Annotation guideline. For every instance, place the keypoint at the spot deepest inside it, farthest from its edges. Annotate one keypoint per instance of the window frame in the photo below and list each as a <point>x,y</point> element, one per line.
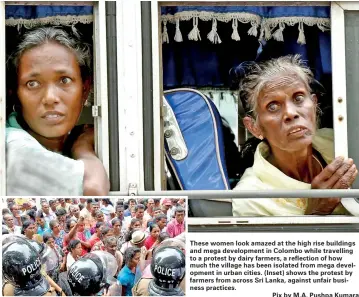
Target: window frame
<point>99,83</point>
<point>130,96</point>
<point>339,109</point>
<point>2,101</point>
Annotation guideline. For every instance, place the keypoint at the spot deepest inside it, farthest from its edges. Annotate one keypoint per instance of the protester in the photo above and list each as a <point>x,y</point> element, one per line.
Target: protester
<point>28,229</point>
<point>77,231</point>
<point>137,240</point>
<point>127,274</point>
<point>57,233</point>
<point>43,226</point>
<point>149,211</point>
<point>71,242</point>
<point>53,205</point>
<point>14,208</point>
<point>131,203</point>
<point>9,224</point>
<point>61,217</point>
<point>57,263</point>
<point>96,236</point>
<point>75,250</point>
<point>99,245</point>
<point>75,212</point>
<point>107,209</point>
<point>110,243</point>
<point>49,215</point>
<point>177,226</point>
<point>152,239</point>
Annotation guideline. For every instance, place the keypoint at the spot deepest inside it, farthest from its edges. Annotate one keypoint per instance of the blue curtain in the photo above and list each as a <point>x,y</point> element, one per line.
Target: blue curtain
<point>35,12</point>
<point>204,64</point>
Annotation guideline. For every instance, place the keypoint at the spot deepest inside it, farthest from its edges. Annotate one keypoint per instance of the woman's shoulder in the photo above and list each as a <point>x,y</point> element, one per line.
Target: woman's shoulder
<point>249,181</point>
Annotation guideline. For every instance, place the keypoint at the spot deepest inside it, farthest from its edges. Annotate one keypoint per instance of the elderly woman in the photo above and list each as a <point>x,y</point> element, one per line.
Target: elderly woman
<point>289,152</point>
<point>45,154</point>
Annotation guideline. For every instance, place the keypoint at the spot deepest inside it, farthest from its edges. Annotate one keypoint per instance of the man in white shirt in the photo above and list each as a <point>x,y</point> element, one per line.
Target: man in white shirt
<point>10,226</point>
<point>75,212</point>
<point>48,214</point>
<point>149,211</point>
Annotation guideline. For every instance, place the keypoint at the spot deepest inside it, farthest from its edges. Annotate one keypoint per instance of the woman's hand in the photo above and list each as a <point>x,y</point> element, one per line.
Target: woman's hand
<point>340,174</point>
<point>143,252</point>
<point>96,182</point>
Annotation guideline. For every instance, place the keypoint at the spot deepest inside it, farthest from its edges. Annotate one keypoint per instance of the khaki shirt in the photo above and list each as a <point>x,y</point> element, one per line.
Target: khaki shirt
<point>141,287</point>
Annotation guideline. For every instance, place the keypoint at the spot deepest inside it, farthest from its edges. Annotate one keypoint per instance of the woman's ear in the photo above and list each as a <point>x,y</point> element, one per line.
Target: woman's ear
<point>315,99</point>
<point>252,126</point>
<point>86,89</point>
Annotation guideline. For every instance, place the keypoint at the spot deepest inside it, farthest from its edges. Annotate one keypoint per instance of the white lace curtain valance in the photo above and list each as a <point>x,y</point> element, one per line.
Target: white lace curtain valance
<point>266,22</point>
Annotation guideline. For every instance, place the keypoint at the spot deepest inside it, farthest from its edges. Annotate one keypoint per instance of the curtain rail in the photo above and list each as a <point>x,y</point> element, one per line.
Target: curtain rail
<point>223,194</point>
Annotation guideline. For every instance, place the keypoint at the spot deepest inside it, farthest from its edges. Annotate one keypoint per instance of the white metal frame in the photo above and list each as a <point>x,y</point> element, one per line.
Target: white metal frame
<point>2,101</point>
<point>338,50</point>
<point>158,158</point>
<point>339,105</point>
<point>299,220</point>
<point>129,67</point>
<point>100,81</point>
<point>339,80</point>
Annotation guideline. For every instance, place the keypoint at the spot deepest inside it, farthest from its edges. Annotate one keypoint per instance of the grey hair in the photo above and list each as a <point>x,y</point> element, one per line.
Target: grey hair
<point>260,75</point>
<point>43,35</point>
<point>109,240</point>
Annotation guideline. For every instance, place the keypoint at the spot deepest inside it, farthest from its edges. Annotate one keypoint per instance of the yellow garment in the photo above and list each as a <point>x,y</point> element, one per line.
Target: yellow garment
<point>264,176</point>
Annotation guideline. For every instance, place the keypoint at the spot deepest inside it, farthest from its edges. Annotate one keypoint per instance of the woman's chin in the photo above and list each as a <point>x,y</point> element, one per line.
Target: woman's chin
<point>300,143</point>
<point>53,133</point>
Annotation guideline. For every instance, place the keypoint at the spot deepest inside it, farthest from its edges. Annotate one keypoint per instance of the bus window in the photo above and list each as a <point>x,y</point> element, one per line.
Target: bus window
<point>77,27</point>
<point>202,47</point>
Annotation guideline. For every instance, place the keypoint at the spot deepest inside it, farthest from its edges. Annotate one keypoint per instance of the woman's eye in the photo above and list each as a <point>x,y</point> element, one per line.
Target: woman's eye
<point>299,98</point>
<point>65,80</point>
<point>274,106</point>
<point>32,84</point>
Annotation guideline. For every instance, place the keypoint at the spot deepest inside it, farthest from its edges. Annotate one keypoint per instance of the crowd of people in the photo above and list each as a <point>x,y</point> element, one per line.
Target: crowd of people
<point>73,230</point>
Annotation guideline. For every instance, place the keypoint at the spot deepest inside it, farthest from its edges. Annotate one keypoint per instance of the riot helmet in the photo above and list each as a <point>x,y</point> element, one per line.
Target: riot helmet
<point>168,270</point>
<point>86,276</point>
<point>21,267</point>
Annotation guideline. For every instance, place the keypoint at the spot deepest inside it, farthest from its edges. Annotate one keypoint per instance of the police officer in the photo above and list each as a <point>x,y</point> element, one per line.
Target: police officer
<point>89,275</point>
<point>22,269</point>
<point>168,270</point>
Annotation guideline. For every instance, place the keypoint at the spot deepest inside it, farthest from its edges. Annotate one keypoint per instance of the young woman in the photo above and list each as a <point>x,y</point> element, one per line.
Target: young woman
<point>75,250</point>
<point>55,262</point>
<point>107,209</point>
<point>128,273</point>
<point>52,83</point>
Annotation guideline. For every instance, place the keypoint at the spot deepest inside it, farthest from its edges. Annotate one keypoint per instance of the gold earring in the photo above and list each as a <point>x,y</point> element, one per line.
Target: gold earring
<point>260,137</point>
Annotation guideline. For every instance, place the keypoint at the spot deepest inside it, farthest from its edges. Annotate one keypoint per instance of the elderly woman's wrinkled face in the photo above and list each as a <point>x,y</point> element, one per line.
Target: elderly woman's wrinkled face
<point>50,89</point>
<point>287,113</point>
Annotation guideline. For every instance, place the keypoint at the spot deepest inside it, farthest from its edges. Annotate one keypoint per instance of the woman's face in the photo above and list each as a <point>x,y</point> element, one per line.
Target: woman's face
<point>56,228</point>
<point>50,89</point>
<point>286,114</point>
<point>77,251</point>
<point>136,225</point>
<point>135,260</point>
<point>117,228</point>
<point>81,227</point>
<point>30,231</point>
<point>100,217</point>
<point>51,243</point>
<point>155,232</point>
